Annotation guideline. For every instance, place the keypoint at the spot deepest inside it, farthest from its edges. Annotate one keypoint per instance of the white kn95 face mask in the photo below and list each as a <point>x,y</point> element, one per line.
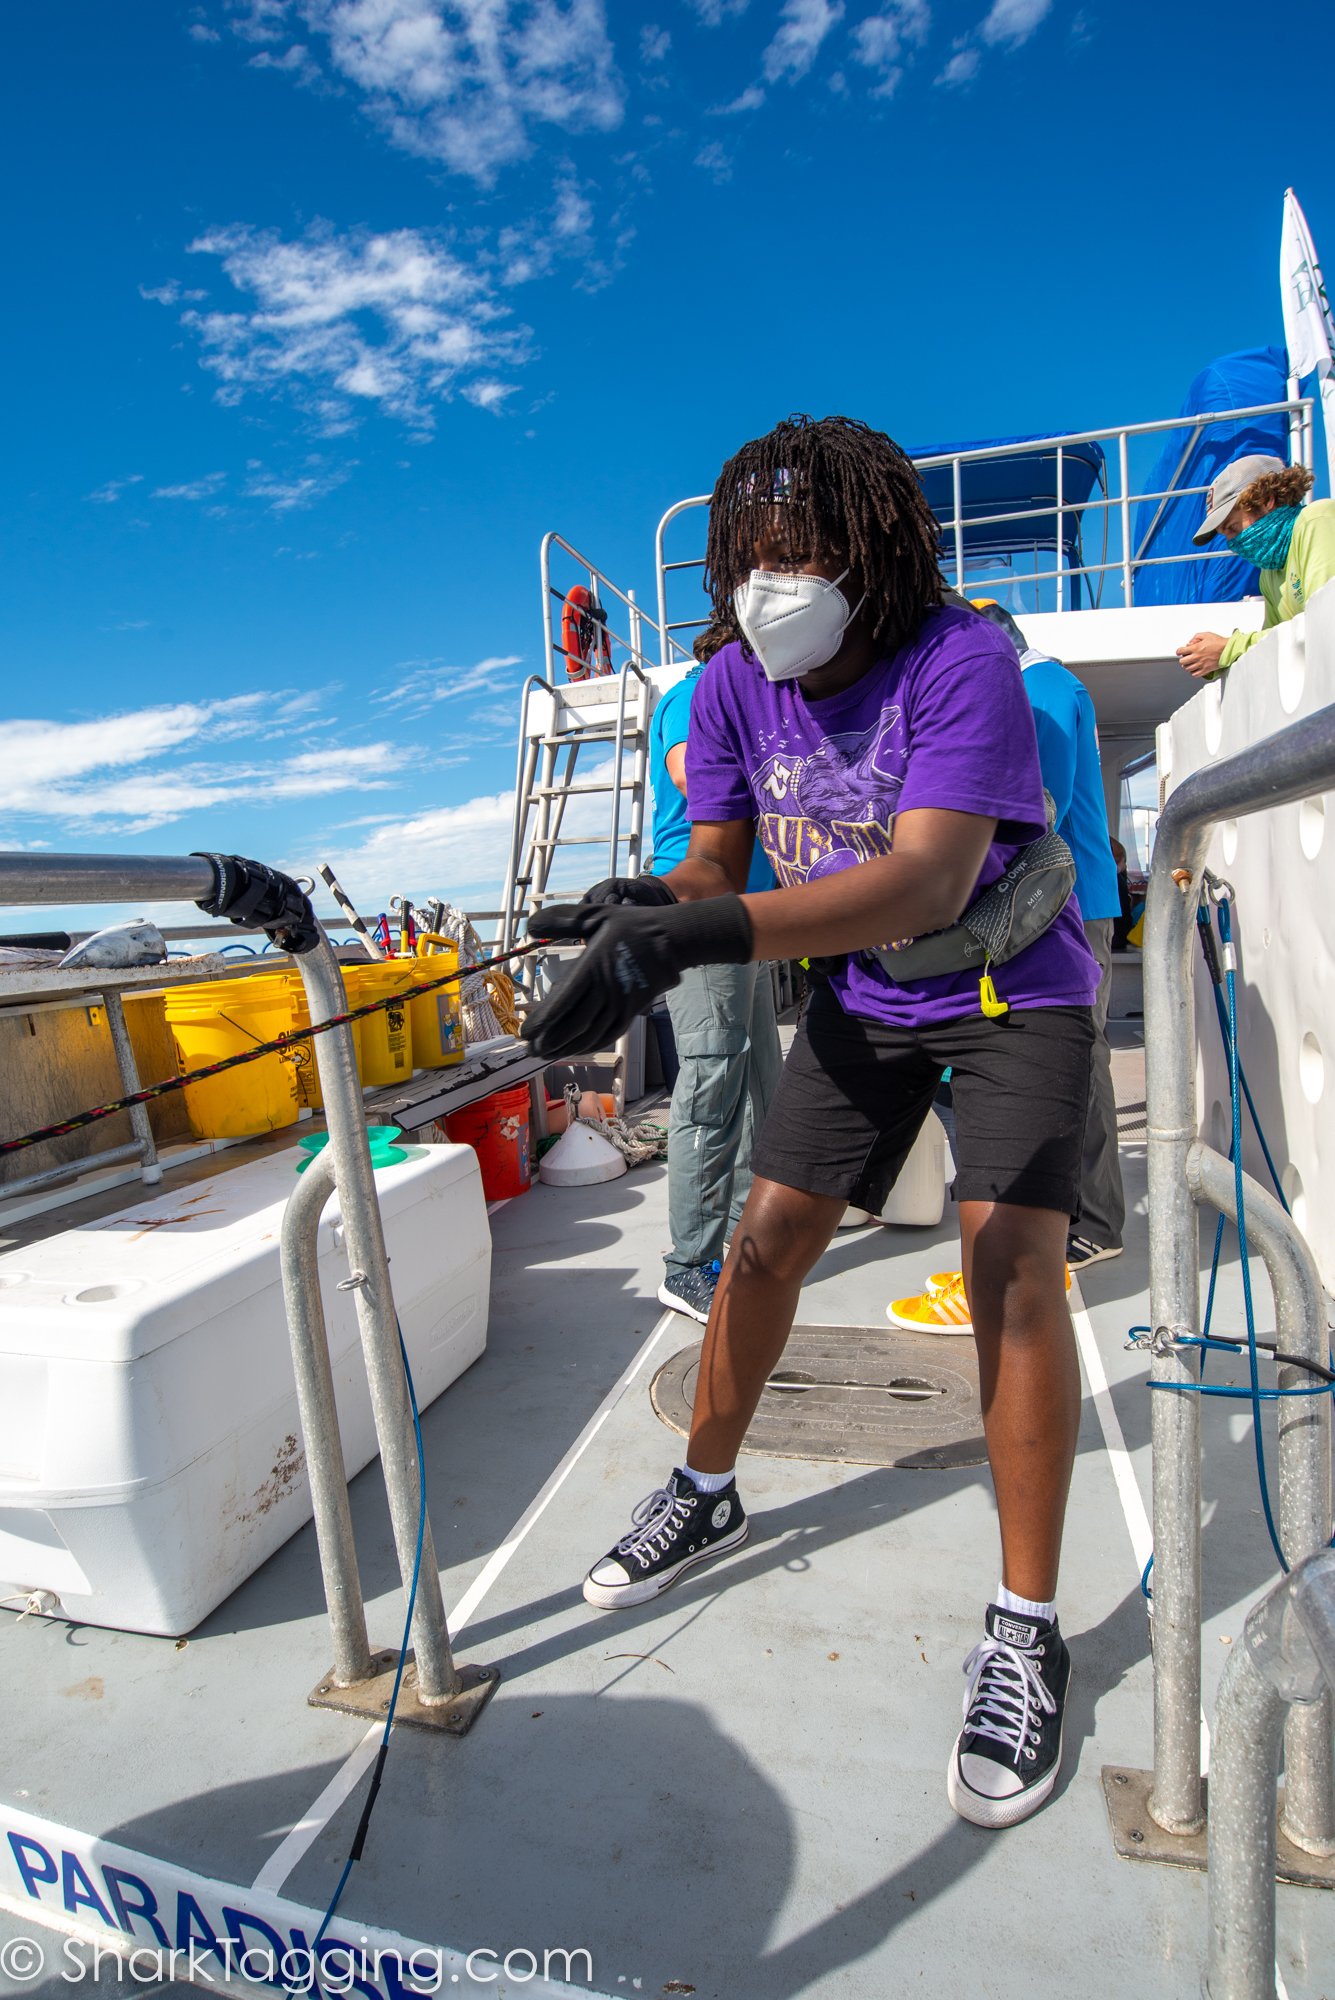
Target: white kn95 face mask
<point>793,624</point>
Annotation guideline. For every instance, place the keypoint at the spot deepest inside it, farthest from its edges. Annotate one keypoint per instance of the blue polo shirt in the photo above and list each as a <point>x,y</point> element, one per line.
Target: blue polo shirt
<point>1068,755</point>
<point>672,824</point>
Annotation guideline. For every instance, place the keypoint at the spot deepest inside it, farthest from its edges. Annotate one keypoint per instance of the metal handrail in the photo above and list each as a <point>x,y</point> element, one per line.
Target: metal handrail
<point>524,758</point>
<point>618,752</point>
<point>1298,409</point>
<point>73,878</point>
<point>1290,765</point>
<point>1304,1459</point>
<point>1281,1666</point>
<point>597,579</point>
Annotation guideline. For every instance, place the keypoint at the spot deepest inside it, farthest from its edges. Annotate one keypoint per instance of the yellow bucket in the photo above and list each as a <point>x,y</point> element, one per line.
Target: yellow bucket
<point>437,1018</point>
<point>304,1053</point>
<point>224,1018</point>
<point>386,1039</point>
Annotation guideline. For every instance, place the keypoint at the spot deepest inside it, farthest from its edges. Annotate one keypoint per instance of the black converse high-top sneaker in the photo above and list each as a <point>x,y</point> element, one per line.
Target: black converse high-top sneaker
<point>1006,1757</point>
<point>671,1531</point>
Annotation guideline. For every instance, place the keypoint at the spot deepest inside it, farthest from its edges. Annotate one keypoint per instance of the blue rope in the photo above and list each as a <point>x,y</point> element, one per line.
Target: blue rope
<point>1239,1092</point>
<point>1211,960</point>
<point>1253,1366</point>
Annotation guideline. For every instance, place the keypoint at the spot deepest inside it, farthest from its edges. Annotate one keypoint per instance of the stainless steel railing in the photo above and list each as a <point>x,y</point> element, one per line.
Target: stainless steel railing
<point>1282,1667</point>
<point>345,1169</point>
<point>630,641</point>
<point>1122,556</point>
<point>1290,765</point>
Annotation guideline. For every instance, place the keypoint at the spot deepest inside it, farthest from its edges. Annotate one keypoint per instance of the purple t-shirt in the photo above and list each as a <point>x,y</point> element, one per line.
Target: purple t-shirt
<point>944,723</point>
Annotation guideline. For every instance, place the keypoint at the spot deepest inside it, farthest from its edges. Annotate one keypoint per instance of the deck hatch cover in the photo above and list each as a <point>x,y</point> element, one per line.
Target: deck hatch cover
<point>853,1395</point>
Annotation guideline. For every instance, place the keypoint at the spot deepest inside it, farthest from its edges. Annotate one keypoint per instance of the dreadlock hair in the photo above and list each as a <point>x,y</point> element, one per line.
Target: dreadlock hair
<point>845,489</point>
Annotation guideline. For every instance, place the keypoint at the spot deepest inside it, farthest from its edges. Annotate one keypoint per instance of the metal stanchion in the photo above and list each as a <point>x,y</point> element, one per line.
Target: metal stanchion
<point>1286,1656</point>
<point>434,1691</point>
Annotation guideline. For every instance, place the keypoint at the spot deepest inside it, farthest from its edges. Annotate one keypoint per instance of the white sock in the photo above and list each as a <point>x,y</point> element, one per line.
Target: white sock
<point>1024,1607</point>
<point>708,1482</point>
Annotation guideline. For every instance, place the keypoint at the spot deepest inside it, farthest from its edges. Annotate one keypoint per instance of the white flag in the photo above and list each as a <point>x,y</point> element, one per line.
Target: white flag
<point>1307,319</point>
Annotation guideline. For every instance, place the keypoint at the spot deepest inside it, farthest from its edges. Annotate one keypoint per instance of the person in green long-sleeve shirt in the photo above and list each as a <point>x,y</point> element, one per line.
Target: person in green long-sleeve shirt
<point>1256,505</point>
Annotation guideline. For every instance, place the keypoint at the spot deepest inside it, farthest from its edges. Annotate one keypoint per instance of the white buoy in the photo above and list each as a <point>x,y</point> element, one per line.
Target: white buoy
<point>580,1158</point>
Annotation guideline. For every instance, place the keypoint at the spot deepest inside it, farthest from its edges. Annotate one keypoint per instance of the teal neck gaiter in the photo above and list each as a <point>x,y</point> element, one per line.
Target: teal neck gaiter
<point>1266,542</point>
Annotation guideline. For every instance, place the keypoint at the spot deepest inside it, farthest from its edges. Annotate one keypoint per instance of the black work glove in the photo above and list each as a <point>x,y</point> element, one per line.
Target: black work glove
<point>647,891</point>
<point>630,957</point>
<point>248,892</point>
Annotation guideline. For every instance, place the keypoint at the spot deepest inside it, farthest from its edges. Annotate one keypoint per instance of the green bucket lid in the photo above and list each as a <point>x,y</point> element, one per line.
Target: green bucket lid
<point>386,1146</point>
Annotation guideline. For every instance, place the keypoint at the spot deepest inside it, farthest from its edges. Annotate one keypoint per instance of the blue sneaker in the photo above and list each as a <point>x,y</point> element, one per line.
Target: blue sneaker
<point>691,1292</point>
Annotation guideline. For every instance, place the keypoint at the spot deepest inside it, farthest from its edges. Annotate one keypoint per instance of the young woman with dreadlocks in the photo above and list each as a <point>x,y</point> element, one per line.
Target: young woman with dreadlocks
<point>880,743</point>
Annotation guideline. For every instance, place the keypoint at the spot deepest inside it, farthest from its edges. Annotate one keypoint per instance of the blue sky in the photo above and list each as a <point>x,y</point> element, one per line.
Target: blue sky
<point>323,311</point>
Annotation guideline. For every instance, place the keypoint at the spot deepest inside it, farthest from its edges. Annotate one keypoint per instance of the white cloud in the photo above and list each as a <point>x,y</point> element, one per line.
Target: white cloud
<point>300,490</point>
<point>749,99</point>
<point>462,81</point>
<point>488,395</point>
<point>565,232</point>
<point>457,851</point>
<point>654,43</point>
<point>573,214</point>
<point>1011,22</point>
<point>112,769</point>
<point>963,67</point>
<point>805,24</point>
<point>107,495</point>
<point>882,39</point>
<point>259,20</point>
<point>296,62</point>
<point>716,161</point>
<point>169,294</point>
<point>713,12</point>
<point>427,682</point>
<point>340,322</point>
<point>192,489</point>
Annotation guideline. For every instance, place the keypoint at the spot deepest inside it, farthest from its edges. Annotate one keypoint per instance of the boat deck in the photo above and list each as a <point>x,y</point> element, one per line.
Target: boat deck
<point>737,1791</point>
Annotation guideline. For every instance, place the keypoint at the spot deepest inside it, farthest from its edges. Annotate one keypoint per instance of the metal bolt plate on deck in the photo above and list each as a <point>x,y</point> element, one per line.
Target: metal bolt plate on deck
<point>859,1395</point>
<point>371,1698</point>
<point>1137,1837</point>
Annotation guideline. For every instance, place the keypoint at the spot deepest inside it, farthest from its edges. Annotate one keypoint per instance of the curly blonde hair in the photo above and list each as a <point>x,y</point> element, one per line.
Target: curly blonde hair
<point>1279,489</point>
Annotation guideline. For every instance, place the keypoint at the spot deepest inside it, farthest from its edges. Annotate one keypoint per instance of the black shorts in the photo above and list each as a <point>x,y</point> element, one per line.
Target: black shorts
<point>854,1094</point>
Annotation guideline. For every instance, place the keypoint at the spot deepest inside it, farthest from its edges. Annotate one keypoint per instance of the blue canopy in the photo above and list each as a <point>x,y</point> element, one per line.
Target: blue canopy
<point>1020,482</point>
<point>1233,382</point>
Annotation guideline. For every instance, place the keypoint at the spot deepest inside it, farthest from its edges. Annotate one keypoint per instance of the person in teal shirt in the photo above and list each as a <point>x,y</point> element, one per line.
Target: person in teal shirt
<point>726,1034</point>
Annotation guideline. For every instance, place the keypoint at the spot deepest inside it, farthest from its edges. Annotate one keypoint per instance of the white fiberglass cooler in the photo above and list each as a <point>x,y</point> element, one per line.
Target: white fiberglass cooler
<point>150,1450</point>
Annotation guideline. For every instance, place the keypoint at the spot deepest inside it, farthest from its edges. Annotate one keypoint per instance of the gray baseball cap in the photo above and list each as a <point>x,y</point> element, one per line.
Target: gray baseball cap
<point>1228,489</point>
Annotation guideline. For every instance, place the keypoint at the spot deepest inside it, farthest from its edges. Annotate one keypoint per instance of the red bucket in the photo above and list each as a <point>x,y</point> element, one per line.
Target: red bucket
<point>497,1130</point>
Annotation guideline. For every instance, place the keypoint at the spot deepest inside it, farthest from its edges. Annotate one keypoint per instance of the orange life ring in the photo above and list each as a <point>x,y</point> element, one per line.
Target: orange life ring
<point>585,640</point>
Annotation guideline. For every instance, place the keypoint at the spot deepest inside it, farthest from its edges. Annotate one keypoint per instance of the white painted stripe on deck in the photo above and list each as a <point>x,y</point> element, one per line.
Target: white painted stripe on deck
<point>354,1767</point>
<point>1119,1458</point>
<point>1123,1472</point>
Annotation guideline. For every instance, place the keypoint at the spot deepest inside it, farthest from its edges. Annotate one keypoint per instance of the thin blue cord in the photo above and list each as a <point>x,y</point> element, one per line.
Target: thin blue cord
<point>360,1835</point>
<point>1253,1366</point>
<point>1238,1090</point>
<point>1203,920</point>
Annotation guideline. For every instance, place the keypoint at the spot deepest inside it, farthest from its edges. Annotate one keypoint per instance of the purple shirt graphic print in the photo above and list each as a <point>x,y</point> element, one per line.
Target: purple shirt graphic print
<point>827,811</point>
<point>945,723</point>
